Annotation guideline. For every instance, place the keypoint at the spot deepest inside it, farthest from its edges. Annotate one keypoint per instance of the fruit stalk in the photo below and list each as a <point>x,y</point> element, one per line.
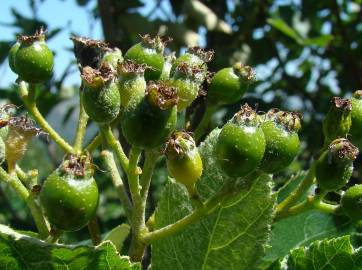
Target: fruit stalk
<point>29,101</point>
<point>204,123</point>
<point>81,128</point>
<point>117,182</point>
<point>28,197</point>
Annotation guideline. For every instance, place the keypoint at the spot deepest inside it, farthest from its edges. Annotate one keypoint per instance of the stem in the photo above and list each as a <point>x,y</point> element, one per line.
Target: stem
<point>82,126</point>
<point>97,140</point>
<point>208,207</point>
<point>117,182</point>
<point>94,232</point>
<point>116,146</point>
<point>137,247</point>
<point>298,192</point>
<point>204,123</point>
<point>35,210</point>
<point>29,101</point>
<point>148,167</point>
<point>311,202</point>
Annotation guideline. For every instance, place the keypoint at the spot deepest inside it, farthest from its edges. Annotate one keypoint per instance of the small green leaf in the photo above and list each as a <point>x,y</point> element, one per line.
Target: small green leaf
<point>232,237</point>
<point>118,234</point>
<point>19,251</point>
<point>283,27</point>
<point>320,41</point>
<point>336,253</point>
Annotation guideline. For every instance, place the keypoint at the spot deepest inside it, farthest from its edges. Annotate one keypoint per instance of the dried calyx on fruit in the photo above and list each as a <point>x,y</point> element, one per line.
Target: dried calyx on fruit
<point>228,85</point>
<point>31,58</point>
<point>148,122</point>
<point>183,160</point>
<point>338,120</point>
<point>101,97</point>
<point>20,131</point>
<point>241,144</point>
<point>335,165</point>
<point>69,195</point>
<point>150,52</point>
<point>131,81</point>
<point>89,52</point>
<point>282,141</point>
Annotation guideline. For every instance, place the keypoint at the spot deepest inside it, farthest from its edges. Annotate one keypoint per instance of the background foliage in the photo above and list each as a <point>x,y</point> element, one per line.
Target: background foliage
<point>304,53</point>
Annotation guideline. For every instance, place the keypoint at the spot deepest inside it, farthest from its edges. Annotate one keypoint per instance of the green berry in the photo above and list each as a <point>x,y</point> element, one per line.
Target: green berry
<point>33,59</point>
<point>281,138</point>
<point>334,167</point>
<point>356,128</point>
<point>241,144</point>
<point>101,98</point>
<point>69,196</point>
<point>183,159</point>
<point>338,120</point>
<point>113,57</point>
<point>131,82</point>
<point>351,202</point>
<point>228,85</point>
<point>147,122</point>
<point>150,53</point>
<point>12,53</point>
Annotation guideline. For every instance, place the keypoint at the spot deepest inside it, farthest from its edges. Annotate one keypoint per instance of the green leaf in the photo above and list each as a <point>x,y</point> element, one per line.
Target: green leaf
<point>336,253</point>
<point>283,27</point>
<point>232,237</point>
<point>19,252</point>
<point>118,234</point>
<point>320,41</point>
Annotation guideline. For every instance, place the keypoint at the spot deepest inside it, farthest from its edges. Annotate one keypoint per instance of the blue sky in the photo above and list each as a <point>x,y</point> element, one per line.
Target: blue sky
<point>57,13</point>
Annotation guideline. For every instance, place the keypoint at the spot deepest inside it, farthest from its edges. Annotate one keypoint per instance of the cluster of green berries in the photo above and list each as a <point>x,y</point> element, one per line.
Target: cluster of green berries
<point>144,90</point>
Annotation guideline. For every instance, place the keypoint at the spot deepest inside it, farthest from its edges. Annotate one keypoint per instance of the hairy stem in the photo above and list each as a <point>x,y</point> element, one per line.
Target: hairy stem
<point>81,128</point>
<point>117,182</point>
<point>204,123</point>
<point>28,96</point>
<point>97,140</point>
<point>28,197</point>
<point>93,228</point>
<point>298,192</point>
<point>116,146</point>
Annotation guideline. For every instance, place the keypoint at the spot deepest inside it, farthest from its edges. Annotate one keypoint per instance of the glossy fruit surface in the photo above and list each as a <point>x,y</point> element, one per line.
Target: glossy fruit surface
<point>282,142</point>
<point>12,53</point>
<point>351,202</point>
<point>187,91</point>
<point>101,98</point>
<point>229,84</point>
<point>183,159</point>
<point>34,60</point>
<point>149,52</point>
<point>149,121</point>
<point>356,128</point>
<point>335,166</point>
<point>69,196</point>
<point>241,144</point>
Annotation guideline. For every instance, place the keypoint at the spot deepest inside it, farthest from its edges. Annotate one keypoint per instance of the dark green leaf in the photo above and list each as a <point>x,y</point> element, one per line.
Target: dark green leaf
<point>283,27</point>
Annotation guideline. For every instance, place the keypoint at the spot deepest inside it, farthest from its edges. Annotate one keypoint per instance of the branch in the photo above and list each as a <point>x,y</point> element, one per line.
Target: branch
<point>81,128</point>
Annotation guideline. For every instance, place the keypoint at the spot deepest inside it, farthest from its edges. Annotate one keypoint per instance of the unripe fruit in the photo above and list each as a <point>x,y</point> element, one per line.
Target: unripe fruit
<point>12,53</point>
<point>282,141</point>
<point>101,98</point>
<point>335,166</point>
<point>69,196</point>
<point>338,120</point>
<point>351,202</point>
<point>356,128</point>
<point>195,56</point>
<point>228,85</point>
<point>131,82</point>
<point>166,70</point>
<point>113,57</point>
<point>148,122</point>
<point>89,52</point>
<point>33,59</point>
<point>150,53</point>
<point>241,144</point>
<point>183,159</point>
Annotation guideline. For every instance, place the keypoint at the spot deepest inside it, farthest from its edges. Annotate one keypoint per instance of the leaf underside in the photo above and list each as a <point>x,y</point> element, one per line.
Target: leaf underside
<point>232,237</point>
